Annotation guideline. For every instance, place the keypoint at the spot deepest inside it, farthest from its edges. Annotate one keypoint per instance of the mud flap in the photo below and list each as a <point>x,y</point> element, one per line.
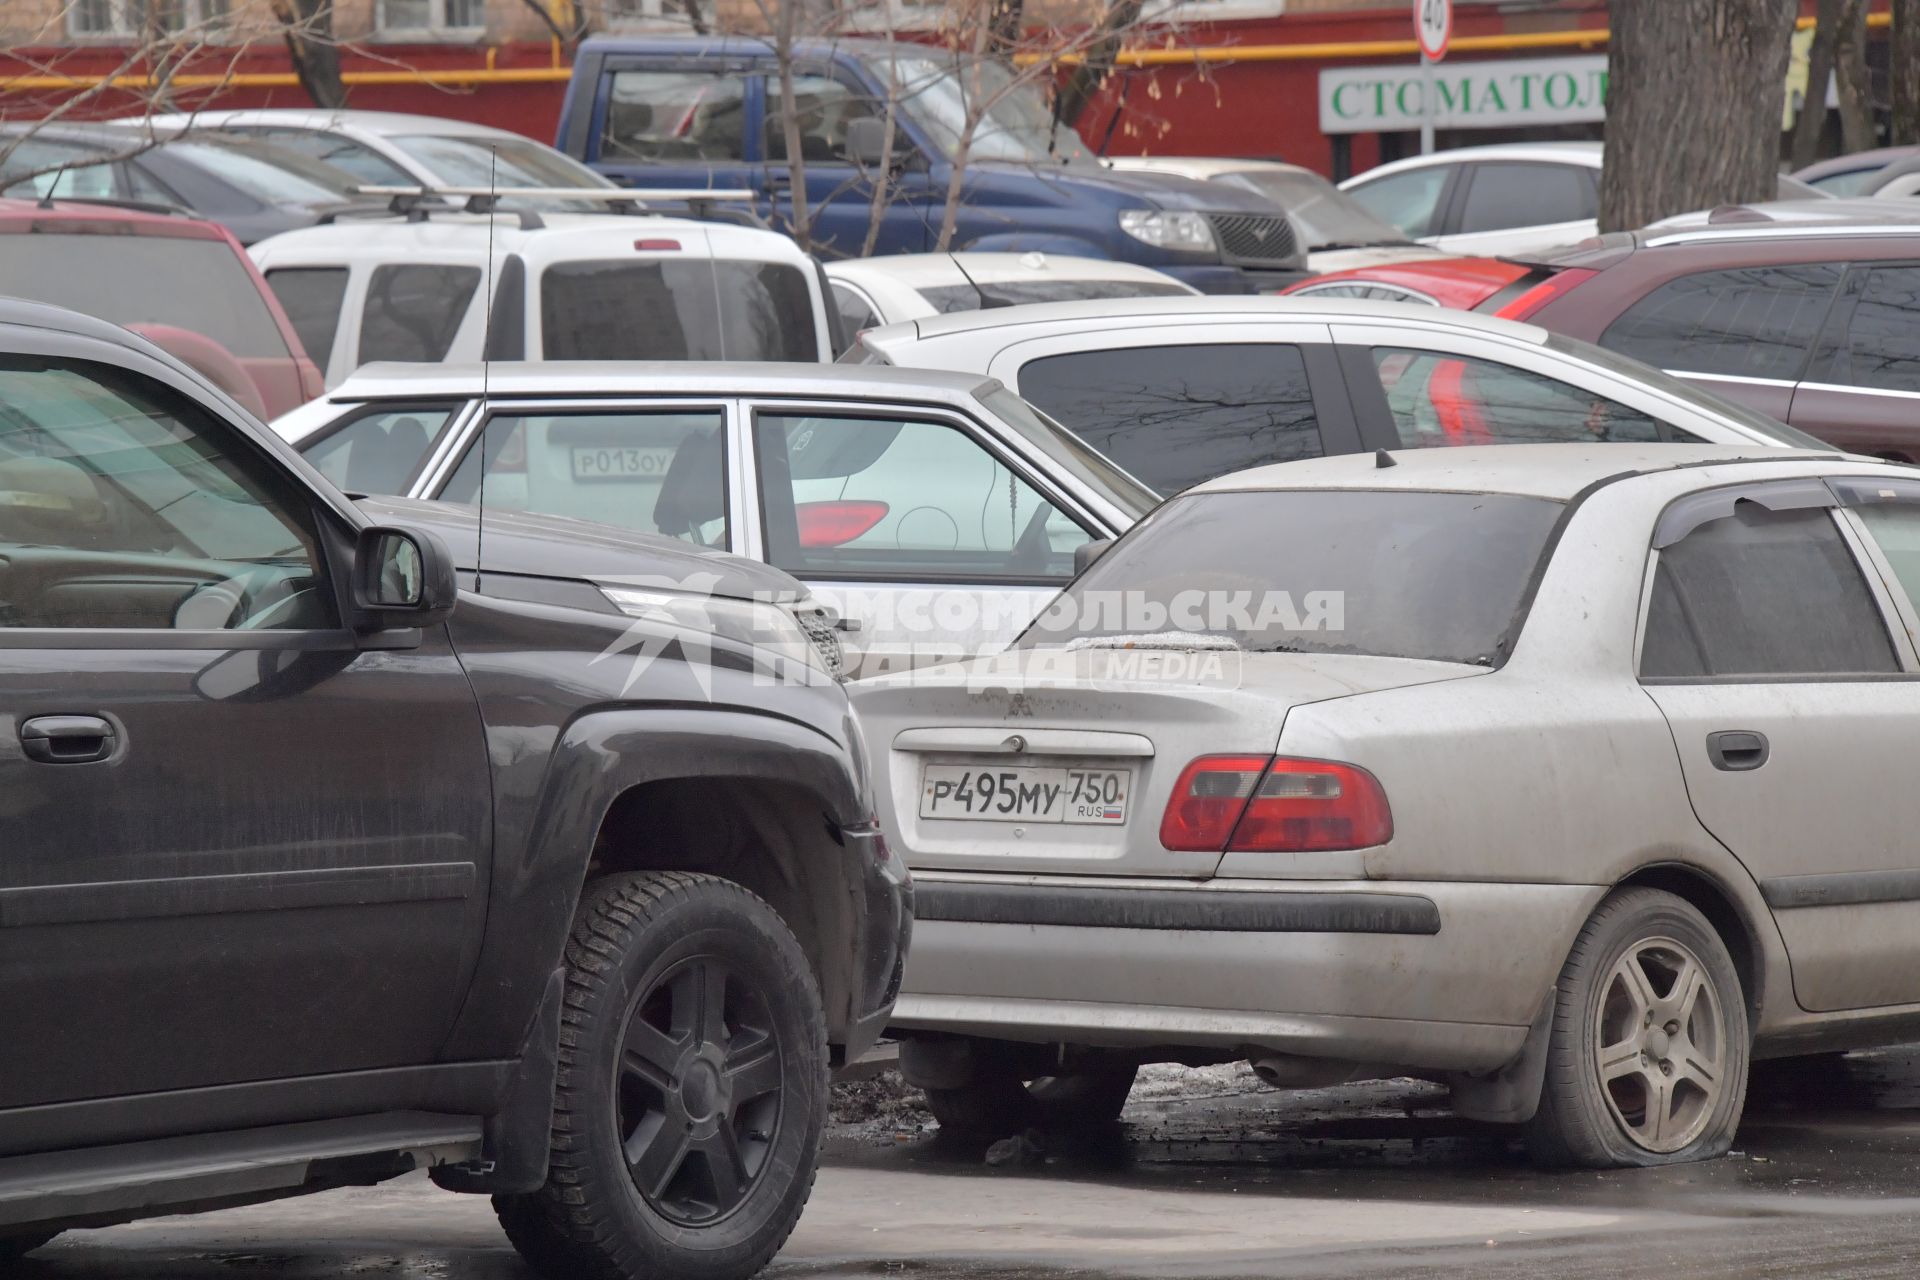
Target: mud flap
<point>518,1135</point>
<point>1512,1094</point>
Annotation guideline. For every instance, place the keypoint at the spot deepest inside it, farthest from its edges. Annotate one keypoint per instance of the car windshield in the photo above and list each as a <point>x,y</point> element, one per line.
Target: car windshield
<point>948,298</point>
<point>1090,466</point>
<point>1014,122</point>
<point>266,173</point>
<point>1388,573</point>
<point>682,309</point>
<point>486,161</point>
<point>1770,429</point>
<point>200,285</point>
<point>1325,215</point>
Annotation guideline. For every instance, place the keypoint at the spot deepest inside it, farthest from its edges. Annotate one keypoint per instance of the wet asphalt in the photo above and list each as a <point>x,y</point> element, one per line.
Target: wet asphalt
<point>1373,1180</point>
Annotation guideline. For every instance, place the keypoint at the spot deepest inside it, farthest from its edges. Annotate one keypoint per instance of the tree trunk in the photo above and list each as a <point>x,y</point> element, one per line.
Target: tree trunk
<point>1811,124</point>
<point>800,221</point>
<point>1903,70</point>
<point>1097,63</point>
<point>313,51</point>
<point>1854,81</point>
<point>1696,90</point>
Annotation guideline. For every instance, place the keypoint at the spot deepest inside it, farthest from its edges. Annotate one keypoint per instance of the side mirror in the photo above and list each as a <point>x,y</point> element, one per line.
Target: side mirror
<point>1087,552</point>
<point>402,579</point>
<point>866,144</point>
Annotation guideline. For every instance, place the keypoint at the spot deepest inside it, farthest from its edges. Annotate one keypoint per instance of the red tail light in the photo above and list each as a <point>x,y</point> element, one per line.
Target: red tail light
<point>1256,804</point>
<point>1546,291</point>
<point>834,524</point>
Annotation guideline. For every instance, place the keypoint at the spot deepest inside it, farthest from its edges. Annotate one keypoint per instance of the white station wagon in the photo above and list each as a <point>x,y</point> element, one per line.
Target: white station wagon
<point>1572,776</point>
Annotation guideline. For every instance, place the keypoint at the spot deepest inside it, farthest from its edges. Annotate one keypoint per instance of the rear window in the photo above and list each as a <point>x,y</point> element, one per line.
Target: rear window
<point>947,299</point>
<point>1384,573</point>
<point>198,285</point>
<point>413,311</point>
<point>686,309</point>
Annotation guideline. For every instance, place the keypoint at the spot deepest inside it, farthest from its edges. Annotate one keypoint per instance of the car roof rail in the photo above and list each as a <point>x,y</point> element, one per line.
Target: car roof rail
<point>700,203</point>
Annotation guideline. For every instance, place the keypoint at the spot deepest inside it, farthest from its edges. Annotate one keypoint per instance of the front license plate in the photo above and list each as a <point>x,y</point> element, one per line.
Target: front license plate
<point>619,462</point>
<point>1096,797</point>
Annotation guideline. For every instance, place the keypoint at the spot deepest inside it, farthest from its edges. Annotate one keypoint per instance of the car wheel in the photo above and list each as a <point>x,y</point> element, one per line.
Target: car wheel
<point>13,1248</point>
<point>692,1088</point>
<point>997,1101</point>
<point>1648,1058</point>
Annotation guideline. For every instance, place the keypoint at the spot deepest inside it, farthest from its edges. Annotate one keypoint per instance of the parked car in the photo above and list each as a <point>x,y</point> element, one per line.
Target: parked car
<point>384,873</point>
<point>564,287</point>
<point>1339,232</point>
<point>704,111</point>
<point>936,513</point>
<point>1509,789</point>
<point>906,286</point>
<point>253,189</point>
<point>1854,174</point>
<point>389,149</point>
<point>1516,197</point>
<point>181,282</point>
<point>1180,390</point>
<point>1460,283</point>
<point>1805,319</point>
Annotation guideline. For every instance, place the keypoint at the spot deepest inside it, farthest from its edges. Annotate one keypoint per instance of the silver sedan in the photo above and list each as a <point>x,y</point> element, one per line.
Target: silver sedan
<point>1573,776</point>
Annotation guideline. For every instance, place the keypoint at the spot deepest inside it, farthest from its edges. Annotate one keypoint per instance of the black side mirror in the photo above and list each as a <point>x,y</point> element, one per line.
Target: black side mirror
<point>1087,552</point>
<point>866,144</point>
<point>402,579</point>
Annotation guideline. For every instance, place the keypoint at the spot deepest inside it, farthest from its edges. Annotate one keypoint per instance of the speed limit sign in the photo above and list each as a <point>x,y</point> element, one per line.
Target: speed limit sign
<point>1433,27</point>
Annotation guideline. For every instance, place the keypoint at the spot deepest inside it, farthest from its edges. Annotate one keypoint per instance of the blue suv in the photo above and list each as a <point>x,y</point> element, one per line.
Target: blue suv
<point>705,112</point>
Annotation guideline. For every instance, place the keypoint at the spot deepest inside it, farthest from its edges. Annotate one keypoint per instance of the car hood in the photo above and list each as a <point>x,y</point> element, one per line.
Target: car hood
<point>1153,190</point>
<point>542,546</point>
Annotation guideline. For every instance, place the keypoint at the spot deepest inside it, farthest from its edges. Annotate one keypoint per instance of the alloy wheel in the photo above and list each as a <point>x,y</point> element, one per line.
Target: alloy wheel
<point>1661,1044</point>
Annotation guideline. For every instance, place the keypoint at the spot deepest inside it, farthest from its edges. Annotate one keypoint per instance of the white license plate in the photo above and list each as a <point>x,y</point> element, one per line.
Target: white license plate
<point>619,462</point>
<point>1016,793</point>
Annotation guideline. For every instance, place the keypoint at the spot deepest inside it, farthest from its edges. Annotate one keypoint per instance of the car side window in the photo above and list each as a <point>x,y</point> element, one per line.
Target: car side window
<point>654,472</point>
<point>57,169</point>
<point>1763,593</point>
<point>1501,196</point>
<point>124,505</point>
<point>1409,200</point>
<point>379,450</point>
<point>312,298</point>
<point>1882,348</point>
<point>856,313</point>
<point>1895,529</point>
<point>1439,399</point>
<point>1176,415</point>
<point>675,115</point>
<point>413,311</point>
<point>895,498</point>
<point>1751,322</point>
<point>824,108</point>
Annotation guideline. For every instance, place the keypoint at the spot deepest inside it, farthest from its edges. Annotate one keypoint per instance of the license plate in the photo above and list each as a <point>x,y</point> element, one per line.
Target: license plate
<point>1096,797</point>
<point>619,462</point>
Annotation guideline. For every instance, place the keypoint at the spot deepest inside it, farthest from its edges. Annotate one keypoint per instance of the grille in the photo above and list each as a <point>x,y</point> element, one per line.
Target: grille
<point>1254,239</point>
<point>825,638</point>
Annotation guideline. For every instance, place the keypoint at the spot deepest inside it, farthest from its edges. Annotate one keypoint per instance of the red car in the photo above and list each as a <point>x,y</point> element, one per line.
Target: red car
<point>184,284</point>
<point>1808,311</point>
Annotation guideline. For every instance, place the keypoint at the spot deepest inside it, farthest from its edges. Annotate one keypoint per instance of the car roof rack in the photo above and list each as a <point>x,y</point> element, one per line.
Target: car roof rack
<point>417,203</point>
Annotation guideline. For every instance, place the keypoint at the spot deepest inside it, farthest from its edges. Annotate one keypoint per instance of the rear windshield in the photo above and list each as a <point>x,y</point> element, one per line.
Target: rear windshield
<point>198,285</point>
<point>686,309</point>
<point>1386,573</point>
<point>949,298</point>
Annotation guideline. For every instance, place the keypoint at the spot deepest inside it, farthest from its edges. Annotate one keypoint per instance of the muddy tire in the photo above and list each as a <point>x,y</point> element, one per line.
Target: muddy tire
<point>998,1102</point>
<point>691,1093</point>
<point>1647,1064</point>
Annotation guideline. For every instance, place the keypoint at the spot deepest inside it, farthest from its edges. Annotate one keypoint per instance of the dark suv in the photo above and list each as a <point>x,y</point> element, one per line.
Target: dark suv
<point>546,862</point>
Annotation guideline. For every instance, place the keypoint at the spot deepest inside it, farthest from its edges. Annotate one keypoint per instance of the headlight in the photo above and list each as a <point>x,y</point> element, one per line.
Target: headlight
<point>776,636</point>
<point>1182,232</point>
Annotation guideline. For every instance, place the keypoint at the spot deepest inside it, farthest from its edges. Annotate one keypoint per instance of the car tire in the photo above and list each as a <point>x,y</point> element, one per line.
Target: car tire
<point>693,1036</point>
<point>1649,1049</point>
<point>14,1248</point>
<point>997,1101</point>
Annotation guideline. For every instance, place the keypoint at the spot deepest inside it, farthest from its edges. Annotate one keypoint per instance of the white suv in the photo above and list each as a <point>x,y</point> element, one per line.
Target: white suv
<point>563,287</point>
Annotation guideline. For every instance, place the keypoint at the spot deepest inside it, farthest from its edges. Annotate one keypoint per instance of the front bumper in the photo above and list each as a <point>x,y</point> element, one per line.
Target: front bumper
<point>886,928</point>
<point>1444,976</point>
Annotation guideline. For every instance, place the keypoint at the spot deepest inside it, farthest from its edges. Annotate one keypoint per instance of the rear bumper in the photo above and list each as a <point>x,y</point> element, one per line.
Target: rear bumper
<point>1441,976</point>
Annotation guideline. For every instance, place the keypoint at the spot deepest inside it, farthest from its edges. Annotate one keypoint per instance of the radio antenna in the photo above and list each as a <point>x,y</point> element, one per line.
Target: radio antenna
<point>486,353</point>
<point>987,301</point>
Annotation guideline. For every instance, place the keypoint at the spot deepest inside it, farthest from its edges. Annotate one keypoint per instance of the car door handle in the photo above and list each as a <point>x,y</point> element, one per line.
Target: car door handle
<point>1737,750</point>
<point>67,739</point>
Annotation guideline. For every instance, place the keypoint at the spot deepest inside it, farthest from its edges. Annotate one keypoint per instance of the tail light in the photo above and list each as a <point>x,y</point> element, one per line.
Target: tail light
<point>1546,291</point>
<point>1261,804</point>
<point>834,524</point>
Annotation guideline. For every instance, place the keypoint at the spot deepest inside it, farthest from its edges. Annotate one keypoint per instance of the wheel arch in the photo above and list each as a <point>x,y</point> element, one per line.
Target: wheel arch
<point>1712,898</point>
